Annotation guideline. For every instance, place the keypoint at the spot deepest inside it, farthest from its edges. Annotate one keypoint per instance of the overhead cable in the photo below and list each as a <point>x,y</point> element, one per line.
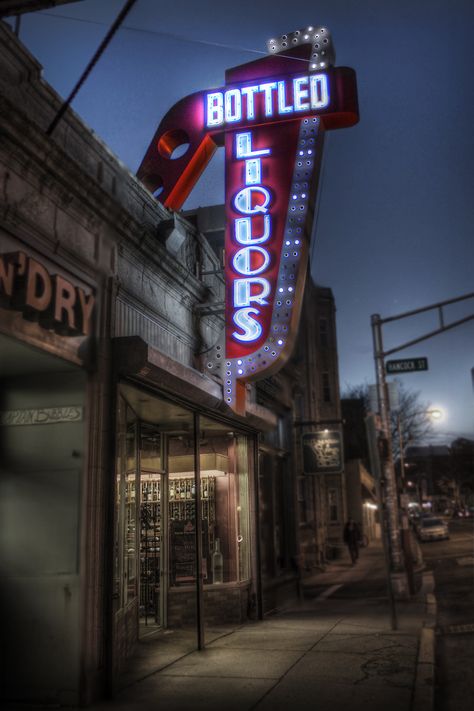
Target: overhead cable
<point>170,35</point>
<point>103,45</point>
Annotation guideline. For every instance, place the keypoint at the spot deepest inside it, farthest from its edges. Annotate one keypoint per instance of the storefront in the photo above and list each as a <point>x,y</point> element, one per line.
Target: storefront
<point>47,317</point>
<point>139,499</point>
<point>184,539</point>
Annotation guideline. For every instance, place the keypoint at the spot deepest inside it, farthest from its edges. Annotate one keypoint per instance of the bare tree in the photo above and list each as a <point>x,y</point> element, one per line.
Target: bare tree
<point>411,413</point>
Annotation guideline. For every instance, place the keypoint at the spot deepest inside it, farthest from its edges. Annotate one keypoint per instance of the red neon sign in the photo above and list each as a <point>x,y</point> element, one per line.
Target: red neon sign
<point>271,116</point>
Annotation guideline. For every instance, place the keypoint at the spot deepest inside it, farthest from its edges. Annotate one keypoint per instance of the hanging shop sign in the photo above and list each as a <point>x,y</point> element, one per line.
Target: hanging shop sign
<point>322,452</point>
<point>27,285</point>
<point>270,116</point>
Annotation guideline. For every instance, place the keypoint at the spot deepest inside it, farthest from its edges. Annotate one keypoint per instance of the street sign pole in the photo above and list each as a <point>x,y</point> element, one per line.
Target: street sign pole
<point>380,487</point>
<point>387,465</point>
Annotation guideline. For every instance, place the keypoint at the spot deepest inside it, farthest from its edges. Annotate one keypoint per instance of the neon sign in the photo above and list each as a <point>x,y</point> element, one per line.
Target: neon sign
<point>271,117</point>
<point>307,93</point>
<point>250,291</point>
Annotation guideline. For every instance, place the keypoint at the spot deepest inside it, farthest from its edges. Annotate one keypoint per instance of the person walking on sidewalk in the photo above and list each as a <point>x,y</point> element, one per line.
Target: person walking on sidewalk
<point>351,539</point>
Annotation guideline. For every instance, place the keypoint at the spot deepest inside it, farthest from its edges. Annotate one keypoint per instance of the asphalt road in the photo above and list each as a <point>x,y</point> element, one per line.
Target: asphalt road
<point>452,563</point>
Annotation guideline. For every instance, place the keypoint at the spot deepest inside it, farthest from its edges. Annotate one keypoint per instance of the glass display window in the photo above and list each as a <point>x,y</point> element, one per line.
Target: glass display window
<point>182,523</point>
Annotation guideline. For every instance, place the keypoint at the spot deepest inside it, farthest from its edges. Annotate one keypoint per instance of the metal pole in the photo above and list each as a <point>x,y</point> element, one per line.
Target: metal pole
<point>198,527</point>
<point>379,483</point>
<point>387,464</point>
<point>258,554</point>
<point>405,528</point>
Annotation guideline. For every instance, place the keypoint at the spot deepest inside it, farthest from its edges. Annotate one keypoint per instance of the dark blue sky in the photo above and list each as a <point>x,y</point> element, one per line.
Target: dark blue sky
<point>396,212</point>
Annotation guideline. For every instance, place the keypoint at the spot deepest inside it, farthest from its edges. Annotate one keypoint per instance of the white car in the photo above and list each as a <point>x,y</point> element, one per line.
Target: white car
<point>432,529</point>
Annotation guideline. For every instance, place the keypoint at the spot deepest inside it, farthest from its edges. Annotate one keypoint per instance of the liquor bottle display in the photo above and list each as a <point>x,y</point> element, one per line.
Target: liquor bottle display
<point>150,548</point>
<point>182,515</point>
<point>217,563</point>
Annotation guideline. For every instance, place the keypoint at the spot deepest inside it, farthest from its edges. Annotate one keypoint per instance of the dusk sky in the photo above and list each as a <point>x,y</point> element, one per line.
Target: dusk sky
<point>396,209</point>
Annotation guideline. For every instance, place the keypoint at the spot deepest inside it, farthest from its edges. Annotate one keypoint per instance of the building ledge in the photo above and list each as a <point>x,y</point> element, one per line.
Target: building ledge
<point>134,358</point>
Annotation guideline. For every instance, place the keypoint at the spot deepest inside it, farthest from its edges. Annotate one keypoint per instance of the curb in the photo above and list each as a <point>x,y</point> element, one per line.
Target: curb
<point>423,699</point>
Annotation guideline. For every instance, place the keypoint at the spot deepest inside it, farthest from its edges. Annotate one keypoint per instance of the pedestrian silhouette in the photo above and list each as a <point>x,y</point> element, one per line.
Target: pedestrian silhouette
<point>351,539</point>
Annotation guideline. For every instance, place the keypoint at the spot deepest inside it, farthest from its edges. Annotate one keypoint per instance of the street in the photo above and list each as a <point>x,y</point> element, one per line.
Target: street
<point>452,563</point>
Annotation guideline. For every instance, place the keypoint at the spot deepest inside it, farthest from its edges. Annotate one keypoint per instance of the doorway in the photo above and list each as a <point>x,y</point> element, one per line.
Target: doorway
<point>182,568</point>
<point>154,535</point>
<point>42,454</point>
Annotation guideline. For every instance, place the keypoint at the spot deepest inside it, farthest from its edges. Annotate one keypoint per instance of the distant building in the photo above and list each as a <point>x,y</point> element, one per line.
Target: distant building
<point>318,428</point>
<point>360,484</point>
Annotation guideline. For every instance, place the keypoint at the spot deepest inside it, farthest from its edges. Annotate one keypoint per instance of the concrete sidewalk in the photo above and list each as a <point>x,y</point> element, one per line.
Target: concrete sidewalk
<point>331,652</point>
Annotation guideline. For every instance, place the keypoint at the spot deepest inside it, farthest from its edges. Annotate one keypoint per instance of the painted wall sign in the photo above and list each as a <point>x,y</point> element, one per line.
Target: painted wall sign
<point>26,285</point>
<point>41,416</point>
<point>322,452</point>
<point>270,116</point>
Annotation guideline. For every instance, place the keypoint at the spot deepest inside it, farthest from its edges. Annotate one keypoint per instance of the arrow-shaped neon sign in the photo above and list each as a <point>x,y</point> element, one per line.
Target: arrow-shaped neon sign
<point>270,116</point>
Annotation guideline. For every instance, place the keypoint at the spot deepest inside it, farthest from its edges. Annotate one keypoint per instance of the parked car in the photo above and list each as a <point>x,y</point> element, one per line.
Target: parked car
<point>432,529</point>
<point>462,513</point>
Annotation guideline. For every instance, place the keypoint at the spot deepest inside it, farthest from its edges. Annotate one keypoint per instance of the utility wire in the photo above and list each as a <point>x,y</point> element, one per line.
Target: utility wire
<point>169,35</point>
<point>103,45</point>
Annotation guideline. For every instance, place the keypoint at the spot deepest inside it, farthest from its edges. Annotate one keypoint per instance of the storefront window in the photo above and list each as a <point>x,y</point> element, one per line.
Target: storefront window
<point>333,506</point>
<point>151,511</point>
<point>224,465</point>
<point>159,558</point>
<point>125,560</point>
<point>182,510</point>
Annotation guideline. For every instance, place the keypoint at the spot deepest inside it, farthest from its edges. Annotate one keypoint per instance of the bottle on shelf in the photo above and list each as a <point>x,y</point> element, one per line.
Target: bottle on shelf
<point>217,563</point>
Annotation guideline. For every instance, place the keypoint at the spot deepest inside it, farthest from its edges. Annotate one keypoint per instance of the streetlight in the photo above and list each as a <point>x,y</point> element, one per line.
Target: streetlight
<point>435,414</point>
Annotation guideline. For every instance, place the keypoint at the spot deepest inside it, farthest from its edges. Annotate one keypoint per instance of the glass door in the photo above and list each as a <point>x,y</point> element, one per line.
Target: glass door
<point>153,514</point>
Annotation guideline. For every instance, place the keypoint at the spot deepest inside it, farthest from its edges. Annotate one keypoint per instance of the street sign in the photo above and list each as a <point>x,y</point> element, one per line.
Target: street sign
<point>407,365</point>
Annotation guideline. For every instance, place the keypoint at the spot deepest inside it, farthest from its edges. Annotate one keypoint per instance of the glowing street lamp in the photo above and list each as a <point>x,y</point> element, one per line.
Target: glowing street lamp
<point>434,414</point>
